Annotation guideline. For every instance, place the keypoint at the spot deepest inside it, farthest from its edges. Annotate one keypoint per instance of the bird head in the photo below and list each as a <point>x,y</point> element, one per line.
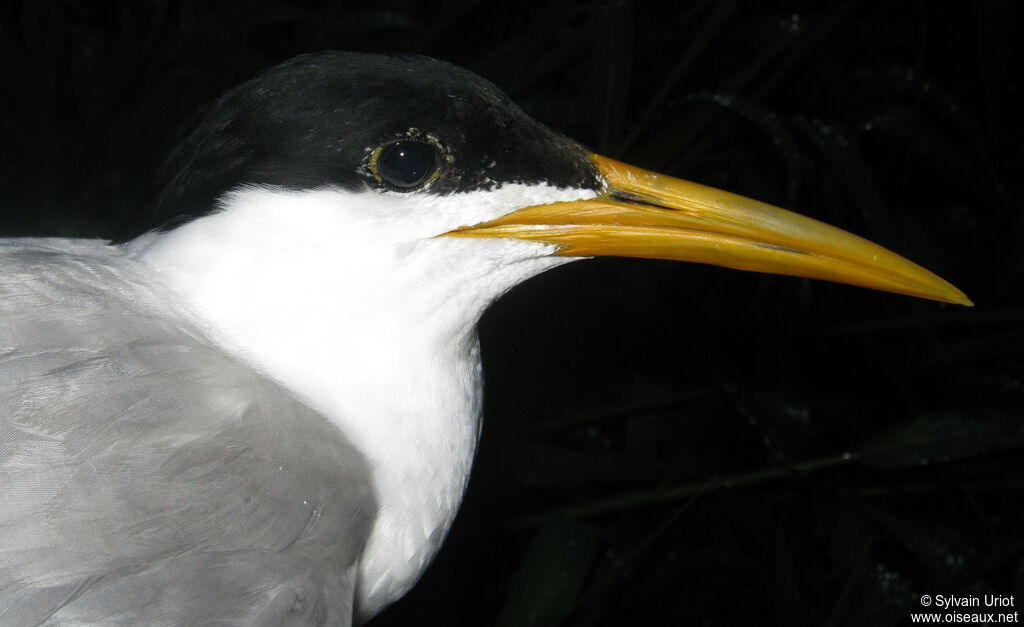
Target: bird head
<point>388,152</point>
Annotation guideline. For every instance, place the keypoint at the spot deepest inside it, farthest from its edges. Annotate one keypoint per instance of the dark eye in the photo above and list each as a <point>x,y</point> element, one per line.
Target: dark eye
<point>407,164</point>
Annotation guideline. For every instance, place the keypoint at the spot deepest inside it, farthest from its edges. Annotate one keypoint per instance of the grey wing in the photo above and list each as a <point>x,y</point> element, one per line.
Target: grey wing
<point>148,478</point>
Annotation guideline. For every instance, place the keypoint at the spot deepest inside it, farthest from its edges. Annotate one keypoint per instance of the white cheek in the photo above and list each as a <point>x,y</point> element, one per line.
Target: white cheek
<point>394,218</point>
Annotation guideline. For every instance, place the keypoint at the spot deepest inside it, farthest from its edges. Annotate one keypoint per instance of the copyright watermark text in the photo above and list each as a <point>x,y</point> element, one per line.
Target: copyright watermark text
<point>956,608</point>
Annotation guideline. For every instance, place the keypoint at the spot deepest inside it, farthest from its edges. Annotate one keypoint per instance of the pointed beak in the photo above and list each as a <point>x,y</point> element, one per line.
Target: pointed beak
<point>645,214</point>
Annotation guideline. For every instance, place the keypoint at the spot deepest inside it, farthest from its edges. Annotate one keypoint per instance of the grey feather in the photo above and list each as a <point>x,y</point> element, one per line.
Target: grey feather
<point>146,477</point>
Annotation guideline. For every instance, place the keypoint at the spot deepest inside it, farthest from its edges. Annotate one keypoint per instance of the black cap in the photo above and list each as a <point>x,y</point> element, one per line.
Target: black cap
<point>317,120</point>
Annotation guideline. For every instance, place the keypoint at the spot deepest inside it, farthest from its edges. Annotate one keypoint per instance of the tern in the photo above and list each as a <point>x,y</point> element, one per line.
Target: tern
<point>261,402</point>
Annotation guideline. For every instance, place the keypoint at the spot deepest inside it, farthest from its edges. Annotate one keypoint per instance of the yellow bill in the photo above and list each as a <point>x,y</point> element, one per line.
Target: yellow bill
<point>650,215</point>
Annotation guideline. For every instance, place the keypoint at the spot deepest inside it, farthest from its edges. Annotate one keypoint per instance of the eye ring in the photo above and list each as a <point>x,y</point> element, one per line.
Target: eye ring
<point>406,164</point>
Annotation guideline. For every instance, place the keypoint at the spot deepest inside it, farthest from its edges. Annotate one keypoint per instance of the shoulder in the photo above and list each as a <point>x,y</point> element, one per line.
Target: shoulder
<point>133,448</point>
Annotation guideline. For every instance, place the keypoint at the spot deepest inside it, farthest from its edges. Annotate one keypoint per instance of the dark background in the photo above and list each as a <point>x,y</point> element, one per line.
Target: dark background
<point>664,443</point>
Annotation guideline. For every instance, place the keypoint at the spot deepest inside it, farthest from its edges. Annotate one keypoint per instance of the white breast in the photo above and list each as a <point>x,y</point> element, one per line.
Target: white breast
<point>351,303</point>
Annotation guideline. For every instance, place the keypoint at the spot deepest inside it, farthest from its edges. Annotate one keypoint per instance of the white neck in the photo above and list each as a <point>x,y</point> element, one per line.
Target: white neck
<point>349,301</point>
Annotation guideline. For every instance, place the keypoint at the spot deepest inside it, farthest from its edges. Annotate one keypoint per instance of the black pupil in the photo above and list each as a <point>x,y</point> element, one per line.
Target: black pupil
<point>407,164</point>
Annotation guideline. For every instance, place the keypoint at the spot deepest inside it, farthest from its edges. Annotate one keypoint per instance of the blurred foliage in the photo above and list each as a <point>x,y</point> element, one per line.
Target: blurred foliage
<point>665,444</point>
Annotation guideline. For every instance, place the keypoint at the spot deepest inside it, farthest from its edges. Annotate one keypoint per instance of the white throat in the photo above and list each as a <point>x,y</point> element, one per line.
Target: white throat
<point>350,302</point>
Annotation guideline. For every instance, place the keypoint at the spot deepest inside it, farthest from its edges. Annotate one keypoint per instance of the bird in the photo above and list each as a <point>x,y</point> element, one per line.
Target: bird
<point>259,403</point>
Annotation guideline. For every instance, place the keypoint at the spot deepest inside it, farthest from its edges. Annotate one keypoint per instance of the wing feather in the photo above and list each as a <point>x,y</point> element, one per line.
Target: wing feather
<point>146,477</point>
